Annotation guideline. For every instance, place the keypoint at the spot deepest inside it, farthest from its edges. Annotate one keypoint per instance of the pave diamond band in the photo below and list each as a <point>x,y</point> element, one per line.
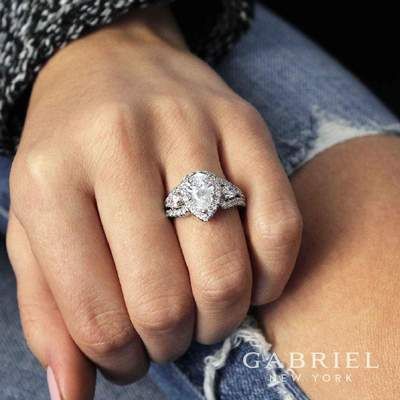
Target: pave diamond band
<point>201,193</point>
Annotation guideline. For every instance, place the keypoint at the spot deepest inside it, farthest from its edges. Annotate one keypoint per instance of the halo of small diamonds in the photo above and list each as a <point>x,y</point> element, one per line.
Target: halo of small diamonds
<point>201,193</point>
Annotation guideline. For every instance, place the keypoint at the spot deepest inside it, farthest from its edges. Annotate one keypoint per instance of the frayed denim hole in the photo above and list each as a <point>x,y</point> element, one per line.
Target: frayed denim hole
<point>249,333</point>
<point>293,149</point>
<point>324,131</point>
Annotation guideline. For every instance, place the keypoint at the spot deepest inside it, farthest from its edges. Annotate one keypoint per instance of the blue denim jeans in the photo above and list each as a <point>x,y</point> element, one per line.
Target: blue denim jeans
<point>310,103</point>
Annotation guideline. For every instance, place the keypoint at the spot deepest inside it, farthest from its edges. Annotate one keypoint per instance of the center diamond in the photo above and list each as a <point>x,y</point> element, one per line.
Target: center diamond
<point>202,192</point>
<point>205,194</point>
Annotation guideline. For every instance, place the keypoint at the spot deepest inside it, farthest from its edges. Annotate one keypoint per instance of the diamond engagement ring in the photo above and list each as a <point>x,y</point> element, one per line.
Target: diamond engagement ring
<point>201,193</point>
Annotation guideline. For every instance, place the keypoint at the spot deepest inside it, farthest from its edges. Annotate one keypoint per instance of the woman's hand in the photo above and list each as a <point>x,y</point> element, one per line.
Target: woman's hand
<point>115,121</point>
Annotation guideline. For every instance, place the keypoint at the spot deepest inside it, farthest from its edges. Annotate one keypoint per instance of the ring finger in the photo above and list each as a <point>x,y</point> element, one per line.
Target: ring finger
<point>215,252</point>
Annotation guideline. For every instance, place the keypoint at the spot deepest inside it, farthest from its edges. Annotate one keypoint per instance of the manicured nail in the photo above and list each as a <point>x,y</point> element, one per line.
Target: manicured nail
<point>53,386</point>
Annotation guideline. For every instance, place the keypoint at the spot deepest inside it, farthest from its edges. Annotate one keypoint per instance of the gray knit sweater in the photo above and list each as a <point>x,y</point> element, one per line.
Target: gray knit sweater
<point>32,30</point>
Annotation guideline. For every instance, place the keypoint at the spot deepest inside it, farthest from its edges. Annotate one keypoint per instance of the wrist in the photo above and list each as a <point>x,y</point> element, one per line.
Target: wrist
<point>155,25</point>
<point>152,29</point>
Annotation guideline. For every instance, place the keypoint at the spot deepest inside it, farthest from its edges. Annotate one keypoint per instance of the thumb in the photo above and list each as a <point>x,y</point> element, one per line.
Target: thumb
<point>70,375</point>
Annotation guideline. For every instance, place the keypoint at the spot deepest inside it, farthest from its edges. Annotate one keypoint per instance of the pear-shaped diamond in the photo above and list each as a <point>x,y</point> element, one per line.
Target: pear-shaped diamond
<point>205,193</point>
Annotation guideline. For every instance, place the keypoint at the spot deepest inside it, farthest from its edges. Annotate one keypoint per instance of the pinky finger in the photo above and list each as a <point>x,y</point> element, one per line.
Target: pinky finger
<point>70,375</point>
<point>272,220</point>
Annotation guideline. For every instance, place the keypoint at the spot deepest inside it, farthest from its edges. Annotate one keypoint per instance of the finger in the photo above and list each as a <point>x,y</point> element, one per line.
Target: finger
<point>73,253</point>
<point>273,221</point>
<point>148,258</point>
<point>44,328</point>
<point>215,251</point>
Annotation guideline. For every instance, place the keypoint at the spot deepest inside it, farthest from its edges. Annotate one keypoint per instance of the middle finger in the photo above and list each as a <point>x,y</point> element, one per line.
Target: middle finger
<point>147,255</point>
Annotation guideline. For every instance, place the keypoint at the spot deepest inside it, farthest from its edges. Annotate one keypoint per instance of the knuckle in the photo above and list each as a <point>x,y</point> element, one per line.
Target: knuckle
<point>23,167</point>
<point>32,329</point>
<point>274,294</point>
<point>246,110</point>
<point>105,334</point>
<point>38,166</point>
<point>277,280</point>
<point>11,239</point>
<point>274,284</point>
<point>162,316</point>
<point>241,117</point>
<point>282,229</point>
<point>253,124</point>
<point>116,115</point>
<point>241,108</point>
<point>227,279</point>
<point>31,315</point>
<point>168,105</point>
<point>114,140</point>
<point>115,125</point>
<point>174,113</point>
<point>33,179</point>
<point>279,277</point>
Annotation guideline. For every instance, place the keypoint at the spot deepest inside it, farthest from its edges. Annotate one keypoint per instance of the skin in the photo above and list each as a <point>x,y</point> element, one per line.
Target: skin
<point>344,293</point>
<point>105,280</point>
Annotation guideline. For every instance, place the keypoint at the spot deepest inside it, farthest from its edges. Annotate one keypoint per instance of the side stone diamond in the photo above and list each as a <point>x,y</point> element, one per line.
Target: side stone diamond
<point>229,191</point>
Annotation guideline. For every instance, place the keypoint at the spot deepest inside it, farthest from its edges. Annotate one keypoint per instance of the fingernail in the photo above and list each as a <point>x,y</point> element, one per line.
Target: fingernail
<point>53,386</point>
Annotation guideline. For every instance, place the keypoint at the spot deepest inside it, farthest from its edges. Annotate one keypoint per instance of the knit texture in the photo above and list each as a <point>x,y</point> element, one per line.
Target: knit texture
<point>31,31</point>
